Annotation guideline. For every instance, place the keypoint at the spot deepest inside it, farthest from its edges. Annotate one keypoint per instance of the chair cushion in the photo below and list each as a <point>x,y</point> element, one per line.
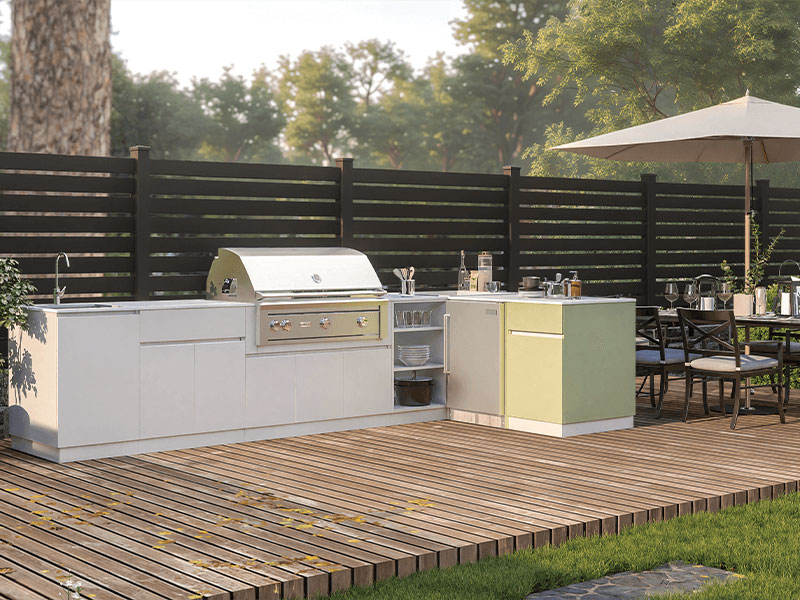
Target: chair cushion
<point>672,356</point>
<point>727,364</point>
<point>769,346</point>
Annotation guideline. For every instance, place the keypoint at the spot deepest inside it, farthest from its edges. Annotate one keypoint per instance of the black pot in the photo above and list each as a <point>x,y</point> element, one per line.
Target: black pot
<point>413,391</point>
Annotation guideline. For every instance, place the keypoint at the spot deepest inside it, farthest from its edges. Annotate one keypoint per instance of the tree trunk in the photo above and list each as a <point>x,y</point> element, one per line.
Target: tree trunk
<point>60,99</point>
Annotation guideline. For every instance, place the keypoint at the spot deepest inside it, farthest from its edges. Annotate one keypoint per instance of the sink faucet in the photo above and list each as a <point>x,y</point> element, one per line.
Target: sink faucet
<point>57,293</point>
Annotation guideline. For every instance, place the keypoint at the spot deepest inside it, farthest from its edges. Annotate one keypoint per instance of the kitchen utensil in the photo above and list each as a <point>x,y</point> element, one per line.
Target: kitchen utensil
<point>413,391</point>
<point>411,272</point>
<point>399,274</point>
<point>531,282</point>
<point>493,287</point>
<point>407,287</point>
<point>404,271</point>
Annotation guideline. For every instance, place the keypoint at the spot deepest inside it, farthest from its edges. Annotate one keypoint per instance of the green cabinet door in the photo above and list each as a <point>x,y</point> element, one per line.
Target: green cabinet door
<point>533,376</point>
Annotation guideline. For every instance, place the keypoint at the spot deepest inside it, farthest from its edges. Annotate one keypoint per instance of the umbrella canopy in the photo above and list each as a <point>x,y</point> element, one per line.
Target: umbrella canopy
<point>746,130</point>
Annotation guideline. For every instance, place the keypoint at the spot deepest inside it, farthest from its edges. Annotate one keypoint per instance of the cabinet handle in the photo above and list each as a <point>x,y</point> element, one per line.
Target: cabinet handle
<point>446,323</point>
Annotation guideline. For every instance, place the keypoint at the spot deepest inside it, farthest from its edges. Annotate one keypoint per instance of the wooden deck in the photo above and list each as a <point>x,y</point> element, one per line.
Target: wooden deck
<point>316,514</point>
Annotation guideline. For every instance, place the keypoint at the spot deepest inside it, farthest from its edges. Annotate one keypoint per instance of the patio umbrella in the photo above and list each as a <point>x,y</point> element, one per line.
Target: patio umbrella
<point>746,130</point>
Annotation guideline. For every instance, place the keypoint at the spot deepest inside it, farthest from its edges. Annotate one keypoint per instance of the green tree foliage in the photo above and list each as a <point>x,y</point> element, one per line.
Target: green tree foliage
<point>506,105</point>
<point>317,99</point>
<point>243,119</point>
<point>632,61</point>
<point>151,111</point>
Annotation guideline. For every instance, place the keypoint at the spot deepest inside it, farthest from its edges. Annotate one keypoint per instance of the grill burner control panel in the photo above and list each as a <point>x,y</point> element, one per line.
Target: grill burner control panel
<point>286,325</point>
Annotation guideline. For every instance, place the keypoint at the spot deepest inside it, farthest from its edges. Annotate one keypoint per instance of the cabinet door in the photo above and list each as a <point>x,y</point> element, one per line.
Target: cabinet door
<point>475,346</point>
<point>270,382</point>
<point>219,397</point>
<point>367,382</point>
<point>319,386</point>
<point>98,379</point>
<point>533,376</point>
<point>166,390</point>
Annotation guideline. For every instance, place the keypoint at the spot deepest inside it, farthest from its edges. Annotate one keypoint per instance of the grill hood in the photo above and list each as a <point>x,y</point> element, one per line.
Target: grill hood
<point>250,274</point>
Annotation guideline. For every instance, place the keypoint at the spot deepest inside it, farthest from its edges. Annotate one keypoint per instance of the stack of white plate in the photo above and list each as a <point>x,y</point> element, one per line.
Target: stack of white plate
<point>414,356</point>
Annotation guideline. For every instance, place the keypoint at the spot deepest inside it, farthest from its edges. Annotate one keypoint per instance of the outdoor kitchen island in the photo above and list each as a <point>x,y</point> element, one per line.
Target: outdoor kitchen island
<point>555,366</point>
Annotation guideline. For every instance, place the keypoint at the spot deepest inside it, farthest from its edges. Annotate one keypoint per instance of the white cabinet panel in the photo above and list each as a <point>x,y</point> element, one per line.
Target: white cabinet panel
<point>270,390</point>
<point>219,397</point>
<point>186,324</point>
<point>319,386</point>
<point>367,382</point>
<point>98,379</point>
<point>166,390</point>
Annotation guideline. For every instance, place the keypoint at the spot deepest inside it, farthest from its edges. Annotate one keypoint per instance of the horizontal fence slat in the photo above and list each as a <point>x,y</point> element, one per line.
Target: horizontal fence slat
<point>470,244</point>
<point>588,185</point>
<point>553,244</point>
<point>414,210</point>
<point>84,285</point>
<point>74,204</point>
<point>39,224</point>
<point>580,214</point>
<point>35,245</point>
<point>392,176</point>
<point>65,183</point>
<point>412,228</point>
<point>558,198</point>
<point>77,264</point>
<point>420,194</point>
<point>616,258</point>
<point>252,189</point>
<point>24,161</point>
<point>580,229</point>
<point>198,168</point>
<point>205,206</point>
<point>235,225</point>
<point>212,243</point>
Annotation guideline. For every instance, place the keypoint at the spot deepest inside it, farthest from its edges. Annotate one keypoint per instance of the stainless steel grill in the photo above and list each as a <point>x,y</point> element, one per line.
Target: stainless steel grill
<point>302,294</point>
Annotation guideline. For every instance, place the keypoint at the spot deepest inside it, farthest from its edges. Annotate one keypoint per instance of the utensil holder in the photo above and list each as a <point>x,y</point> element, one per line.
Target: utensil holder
<point>407,287</point>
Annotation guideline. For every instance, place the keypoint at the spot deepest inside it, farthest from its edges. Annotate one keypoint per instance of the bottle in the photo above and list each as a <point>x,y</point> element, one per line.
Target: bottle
<point>575,285</point>
<point>463,275</point>
<point>484,270</point>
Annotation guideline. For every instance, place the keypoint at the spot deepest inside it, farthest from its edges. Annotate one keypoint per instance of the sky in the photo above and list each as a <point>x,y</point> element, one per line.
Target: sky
<point>197,38</point>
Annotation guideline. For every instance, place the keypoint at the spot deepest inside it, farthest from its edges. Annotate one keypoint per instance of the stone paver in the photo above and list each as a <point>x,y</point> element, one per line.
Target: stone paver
<point>674,577</point>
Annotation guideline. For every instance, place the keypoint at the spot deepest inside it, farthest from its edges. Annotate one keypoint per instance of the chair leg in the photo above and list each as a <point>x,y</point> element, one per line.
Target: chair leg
<point>722,396</point>
<point>787,381</point>
<point>653,389</point>
<point>662,387</point>
<point>705,397</point>
<point>737,389</point>
<point>687,396</point>
<point>780,400</point>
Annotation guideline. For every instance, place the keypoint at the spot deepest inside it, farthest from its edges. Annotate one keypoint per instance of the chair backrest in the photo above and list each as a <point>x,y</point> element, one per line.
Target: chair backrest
<point>699,328</point>
<point>648,327</point>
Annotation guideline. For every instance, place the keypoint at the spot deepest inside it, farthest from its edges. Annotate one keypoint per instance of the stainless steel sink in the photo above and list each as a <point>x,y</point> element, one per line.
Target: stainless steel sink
<point>74,306</point>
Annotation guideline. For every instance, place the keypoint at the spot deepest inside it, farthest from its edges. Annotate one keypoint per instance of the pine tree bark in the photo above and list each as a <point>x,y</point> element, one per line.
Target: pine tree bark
<point>60,97</point>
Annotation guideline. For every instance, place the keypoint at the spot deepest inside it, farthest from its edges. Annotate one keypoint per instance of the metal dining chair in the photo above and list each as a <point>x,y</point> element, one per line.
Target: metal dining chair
<point>713,335</point>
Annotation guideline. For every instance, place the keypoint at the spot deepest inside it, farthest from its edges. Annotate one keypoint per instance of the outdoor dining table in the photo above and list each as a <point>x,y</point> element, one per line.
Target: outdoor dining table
<point>770,321</point>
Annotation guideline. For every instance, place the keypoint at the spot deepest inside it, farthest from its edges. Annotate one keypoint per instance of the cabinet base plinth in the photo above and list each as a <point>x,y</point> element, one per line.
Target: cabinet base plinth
<point>569,429</point>
<point>468,416</point>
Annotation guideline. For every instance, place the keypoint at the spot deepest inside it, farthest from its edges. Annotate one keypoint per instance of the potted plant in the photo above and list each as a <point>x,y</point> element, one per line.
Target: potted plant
<point>743,296</point>
<point>13,293</point>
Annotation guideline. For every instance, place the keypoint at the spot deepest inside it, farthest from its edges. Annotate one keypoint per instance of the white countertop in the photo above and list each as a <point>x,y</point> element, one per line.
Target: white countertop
<point>505,297</point>
<point>128,306</point>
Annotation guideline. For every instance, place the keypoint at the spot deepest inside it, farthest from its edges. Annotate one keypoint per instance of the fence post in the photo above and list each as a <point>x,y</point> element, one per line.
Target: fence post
<point>141,227</point>
<point>649,262</point>
<point>762,216</point>
<point>512,229</point>
<point>345,201</point>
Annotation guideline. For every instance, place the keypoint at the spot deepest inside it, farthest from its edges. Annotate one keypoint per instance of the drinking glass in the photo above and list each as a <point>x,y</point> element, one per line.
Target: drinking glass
<point>671,294</point>
<point>408,318</point>
<point>690,293</point>
<point>725,293</point>
<point>426,318</point>
<point>417,318</point>
<point>399,320</point>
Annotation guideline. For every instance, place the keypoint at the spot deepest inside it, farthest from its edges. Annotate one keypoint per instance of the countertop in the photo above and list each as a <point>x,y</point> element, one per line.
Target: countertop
<point>129,306</point>
<point>506,297</point>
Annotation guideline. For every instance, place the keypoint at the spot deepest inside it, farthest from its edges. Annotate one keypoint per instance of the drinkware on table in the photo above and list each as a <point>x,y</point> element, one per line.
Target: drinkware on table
<point>690,294</point>
<point>761,300</point>
<point>408,318</point>
<point>671,294</point>
<point>725,293</point>
<point>417,318</point>
<point>399,320</point>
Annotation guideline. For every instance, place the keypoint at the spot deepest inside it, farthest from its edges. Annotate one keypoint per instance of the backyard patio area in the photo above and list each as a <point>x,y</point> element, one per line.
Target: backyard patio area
<point>312,515</point>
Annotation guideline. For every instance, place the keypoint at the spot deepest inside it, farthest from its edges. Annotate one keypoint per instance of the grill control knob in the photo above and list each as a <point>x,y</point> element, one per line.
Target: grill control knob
<point>274,325</point>
<point>286,324</point>
<point>362,321</point>
<point>325,323</point>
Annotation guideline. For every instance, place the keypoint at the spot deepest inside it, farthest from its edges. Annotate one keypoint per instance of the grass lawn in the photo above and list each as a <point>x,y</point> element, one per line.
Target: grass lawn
<point>760,541</point>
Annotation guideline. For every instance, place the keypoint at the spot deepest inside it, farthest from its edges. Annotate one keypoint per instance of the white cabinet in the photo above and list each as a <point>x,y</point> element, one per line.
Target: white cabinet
<point>191,324</point>
<point>219,398</point>
<point>367,389</point>
<point>319,391</point>
<point>98,379</point>
<point>166,390</point>
<point>270,390</point>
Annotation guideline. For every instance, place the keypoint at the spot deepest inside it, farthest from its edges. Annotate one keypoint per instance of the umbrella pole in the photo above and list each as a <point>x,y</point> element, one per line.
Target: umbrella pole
<point>748,162</point>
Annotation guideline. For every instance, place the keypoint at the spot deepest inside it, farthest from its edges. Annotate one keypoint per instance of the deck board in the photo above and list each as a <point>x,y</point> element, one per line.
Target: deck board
<point>315,514</point>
